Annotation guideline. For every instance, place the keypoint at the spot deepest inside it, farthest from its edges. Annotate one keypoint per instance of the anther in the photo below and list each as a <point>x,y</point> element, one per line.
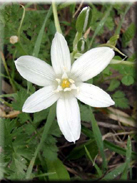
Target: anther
<point>58,80</point>
<point>71,81</point>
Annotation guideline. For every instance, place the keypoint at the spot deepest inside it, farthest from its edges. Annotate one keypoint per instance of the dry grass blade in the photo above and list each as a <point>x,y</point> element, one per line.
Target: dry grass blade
<point>120,116</point>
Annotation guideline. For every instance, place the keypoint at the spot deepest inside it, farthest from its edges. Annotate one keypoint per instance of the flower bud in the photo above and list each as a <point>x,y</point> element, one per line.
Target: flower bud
<point>14,39</point>
<point>83,20</point>
<point>82,45</point>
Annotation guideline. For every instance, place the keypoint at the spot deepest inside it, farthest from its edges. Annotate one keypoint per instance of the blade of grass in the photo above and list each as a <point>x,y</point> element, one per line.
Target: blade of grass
<point>1,146</point>
<point>115,37</point>
<point>40,35</point>
<point>50,119</point>
<point>45,174</point>
<point>38,41</point>
<point>94,164</point>
<point>128,158</point>
<point>114,173</point>
<point>117,32</point>
<point>98,138</point>
<point>101,24</point>
<point>7,71</point>
<point>110,145</point>
<point>118,149</point>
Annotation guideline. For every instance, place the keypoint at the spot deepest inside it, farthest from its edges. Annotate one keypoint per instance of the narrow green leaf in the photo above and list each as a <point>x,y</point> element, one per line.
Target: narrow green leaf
<point>114,173</point>
<point>79,151</point>
<point>40,35</point>
<point>1,147</point>
<point>117,32</point>
<point>118,149</point>
<point>109,145</point>
<point>44,174</point>
<point>98,138</point>
<point>38,42</point>
<point>58,167</point>
<point>101,24</point>
<point>128,158</point>
<point>96,166</point>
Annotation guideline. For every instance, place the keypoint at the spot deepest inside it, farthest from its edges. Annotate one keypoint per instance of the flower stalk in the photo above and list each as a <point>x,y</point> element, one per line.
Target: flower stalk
<point>57,25</point>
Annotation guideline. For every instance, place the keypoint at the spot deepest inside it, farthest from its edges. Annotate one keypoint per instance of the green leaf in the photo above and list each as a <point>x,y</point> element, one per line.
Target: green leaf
<point>48,124</point>
<point>118,149</point>
<point>113,85</point>
<point>114,173</point>
<point>20,99</point>
<point>79,151</point>
<point>58,167</point>
<point>128,158</point>
<point>110,23</point>
<point>40,35</point>
<point>101,24</point>
<point>98,138</point>
<point>108,144</point>
<point>96,166</point>
<point>84,111</point>
<point>127,80</point>
<point>128,34</point>
<point>50,151</point>
<point>39,116</point>
<point>120,100</point>
<point>83,20</point>
<point>107,72</point>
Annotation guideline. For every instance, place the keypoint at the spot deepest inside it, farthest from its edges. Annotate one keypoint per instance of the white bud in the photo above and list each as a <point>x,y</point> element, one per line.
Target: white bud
<point>14,39</point>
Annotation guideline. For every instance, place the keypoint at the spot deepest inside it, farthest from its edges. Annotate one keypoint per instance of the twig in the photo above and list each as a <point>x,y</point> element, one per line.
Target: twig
<point>116,127</point>
<point>78,9</point>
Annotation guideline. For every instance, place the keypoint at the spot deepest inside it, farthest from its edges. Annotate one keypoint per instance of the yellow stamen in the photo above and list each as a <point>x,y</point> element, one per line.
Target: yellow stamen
<point>65,83</point>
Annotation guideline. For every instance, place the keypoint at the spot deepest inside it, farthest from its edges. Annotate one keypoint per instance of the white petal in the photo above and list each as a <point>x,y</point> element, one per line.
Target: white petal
<point>94,96</point>
<point>92,63</point>
<point>41,99</point>
<point>68,116</point>
<point>35,70</point>
<point>60,55</point>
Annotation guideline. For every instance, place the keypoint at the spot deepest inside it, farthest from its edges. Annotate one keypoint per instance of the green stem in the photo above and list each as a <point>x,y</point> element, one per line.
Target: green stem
<point>7,71</point>
<point>50,119</point>
<point>5,103</point>
<point>21,22</point>
<point>57,25</point>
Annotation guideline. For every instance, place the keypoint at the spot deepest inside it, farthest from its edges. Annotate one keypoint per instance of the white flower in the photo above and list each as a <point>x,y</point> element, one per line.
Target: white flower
<point>65,83</point>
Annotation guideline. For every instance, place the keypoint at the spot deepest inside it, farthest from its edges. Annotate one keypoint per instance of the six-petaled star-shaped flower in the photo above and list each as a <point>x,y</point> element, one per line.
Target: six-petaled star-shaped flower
<point>65,83</point>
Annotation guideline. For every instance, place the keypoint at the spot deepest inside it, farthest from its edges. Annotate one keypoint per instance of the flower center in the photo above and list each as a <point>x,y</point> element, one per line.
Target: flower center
<point>65,83</point>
